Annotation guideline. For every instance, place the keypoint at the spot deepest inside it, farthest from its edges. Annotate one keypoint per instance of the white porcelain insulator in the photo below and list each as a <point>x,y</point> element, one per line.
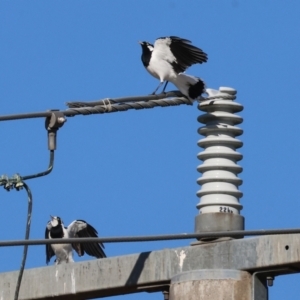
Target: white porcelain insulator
<point>219,181</point>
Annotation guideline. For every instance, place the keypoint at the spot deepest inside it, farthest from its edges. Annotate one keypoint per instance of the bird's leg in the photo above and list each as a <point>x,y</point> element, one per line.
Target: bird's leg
<point>157,88</point>
<point>165,87</point>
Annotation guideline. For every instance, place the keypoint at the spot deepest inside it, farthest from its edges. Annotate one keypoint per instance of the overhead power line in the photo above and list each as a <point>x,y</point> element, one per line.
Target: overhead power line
<point>108,105</point>
<point>149,238</point>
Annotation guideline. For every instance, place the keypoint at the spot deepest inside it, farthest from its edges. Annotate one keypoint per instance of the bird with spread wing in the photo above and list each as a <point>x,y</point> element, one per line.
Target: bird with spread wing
<point>168,59</point>
<point>55,229</point>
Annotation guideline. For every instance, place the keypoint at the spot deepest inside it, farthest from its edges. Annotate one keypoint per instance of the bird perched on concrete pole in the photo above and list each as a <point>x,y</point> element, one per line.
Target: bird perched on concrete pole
<point>168,58</point>
<point>55,229</point>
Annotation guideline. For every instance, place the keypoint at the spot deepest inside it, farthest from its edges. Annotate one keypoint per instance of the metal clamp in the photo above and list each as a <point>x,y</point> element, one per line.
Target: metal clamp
<point>52,124</point>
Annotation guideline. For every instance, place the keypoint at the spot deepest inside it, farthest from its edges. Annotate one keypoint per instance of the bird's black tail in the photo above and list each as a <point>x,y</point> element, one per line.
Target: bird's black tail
<point>190,86</point>
<point>197,89</point>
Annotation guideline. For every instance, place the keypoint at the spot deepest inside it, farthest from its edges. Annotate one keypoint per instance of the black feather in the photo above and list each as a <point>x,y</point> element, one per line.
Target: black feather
<point>92,249</point>
<point>49,250</point>
<point>197,89</point>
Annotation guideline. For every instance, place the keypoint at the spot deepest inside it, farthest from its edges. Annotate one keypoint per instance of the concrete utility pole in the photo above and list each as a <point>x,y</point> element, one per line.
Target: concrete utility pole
<point>215,269</point>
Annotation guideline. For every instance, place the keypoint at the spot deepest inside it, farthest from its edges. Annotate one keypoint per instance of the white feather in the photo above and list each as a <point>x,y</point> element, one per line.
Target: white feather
<point>63,252</point>
<point>161,57</point>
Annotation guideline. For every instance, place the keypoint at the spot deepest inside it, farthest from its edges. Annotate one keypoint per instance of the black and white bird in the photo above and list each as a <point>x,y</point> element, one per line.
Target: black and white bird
<point>168,58</point>
<point>63,252</point>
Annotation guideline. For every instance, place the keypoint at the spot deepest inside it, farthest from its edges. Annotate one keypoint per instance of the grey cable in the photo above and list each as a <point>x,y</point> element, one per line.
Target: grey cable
<point>181,236</point>
<point>44,173</point>
<point>28,223</point>
<point>109,108</point>
<point>110,105</point>
<point>77,104</point>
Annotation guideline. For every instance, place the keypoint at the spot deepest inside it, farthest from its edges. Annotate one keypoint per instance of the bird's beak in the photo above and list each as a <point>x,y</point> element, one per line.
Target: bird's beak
<point>140,42</point>
<point>51,217</point>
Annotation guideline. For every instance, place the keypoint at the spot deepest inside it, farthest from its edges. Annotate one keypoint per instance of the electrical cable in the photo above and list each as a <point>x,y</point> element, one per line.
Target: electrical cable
<point>115,105</point>
<point>44,173</point>
<point>165,237</point>
<point>77,104</point>
<point>108,105</point>
<point>27,233</point>
<point>53,122</point>
<point>16,180</point>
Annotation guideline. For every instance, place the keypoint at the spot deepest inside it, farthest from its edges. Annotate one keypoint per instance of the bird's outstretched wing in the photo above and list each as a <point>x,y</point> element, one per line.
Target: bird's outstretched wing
<point>49,250</point>
<point>179,52</point>
<point>80,228</point>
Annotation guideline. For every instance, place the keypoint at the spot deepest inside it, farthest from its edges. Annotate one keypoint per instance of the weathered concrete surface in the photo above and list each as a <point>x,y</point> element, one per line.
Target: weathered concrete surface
<point>212,285</point>
<point>153,270</point>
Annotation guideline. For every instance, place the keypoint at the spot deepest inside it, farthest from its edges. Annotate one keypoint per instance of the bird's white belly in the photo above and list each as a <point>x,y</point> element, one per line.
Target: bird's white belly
<point>63,253</point>
<point>161,70</point>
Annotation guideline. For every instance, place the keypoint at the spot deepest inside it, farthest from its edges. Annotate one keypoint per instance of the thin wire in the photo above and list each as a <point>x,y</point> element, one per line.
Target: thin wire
<point>28,223</point>
<point>181,236</point>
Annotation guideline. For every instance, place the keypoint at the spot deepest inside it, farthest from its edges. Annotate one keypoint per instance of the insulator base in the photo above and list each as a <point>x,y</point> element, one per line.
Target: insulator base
<point>219,222</point>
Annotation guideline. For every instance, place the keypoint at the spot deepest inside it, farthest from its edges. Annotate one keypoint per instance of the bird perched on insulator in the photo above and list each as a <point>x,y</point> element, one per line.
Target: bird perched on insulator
<point>168,58</point>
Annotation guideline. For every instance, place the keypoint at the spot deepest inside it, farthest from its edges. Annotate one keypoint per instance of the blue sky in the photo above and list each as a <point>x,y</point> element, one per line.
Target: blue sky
<point>134,173</point>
